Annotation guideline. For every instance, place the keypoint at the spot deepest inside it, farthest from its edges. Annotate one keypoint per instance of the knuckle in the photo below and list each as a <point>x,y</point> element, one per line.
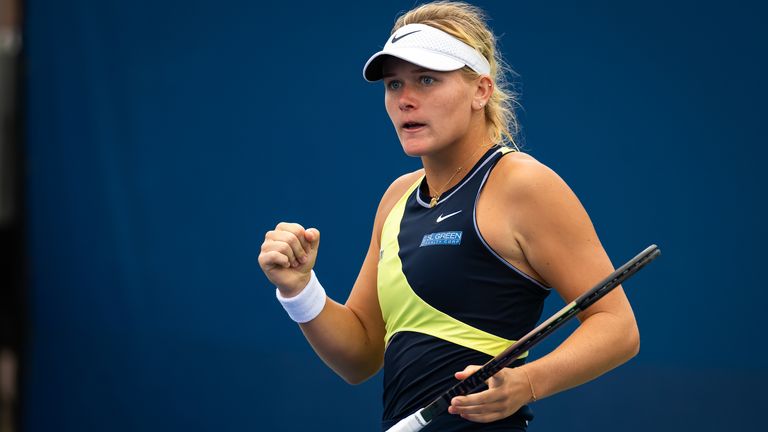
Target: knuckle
<point>285,249</point>
<point>265,259</point>
<point>288,226</point>
<point>277,236</point>
<point>294,242</point>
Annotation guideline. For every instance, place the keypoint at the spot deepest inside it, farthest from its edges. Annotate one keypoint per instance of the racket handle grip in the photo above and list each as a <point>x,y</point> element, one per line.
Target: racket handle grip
<point>413,423</point>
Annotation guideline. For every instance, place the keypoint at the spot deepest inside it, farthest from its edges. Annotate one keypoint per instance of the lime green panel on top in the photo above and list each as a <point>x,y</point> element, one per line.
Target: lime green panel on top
<point>404,310</point>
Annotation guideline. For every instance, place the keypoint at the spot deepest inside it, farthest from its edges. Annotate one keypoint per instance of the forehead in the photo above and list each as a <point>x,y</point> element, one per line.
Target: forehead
<point>395,66</point>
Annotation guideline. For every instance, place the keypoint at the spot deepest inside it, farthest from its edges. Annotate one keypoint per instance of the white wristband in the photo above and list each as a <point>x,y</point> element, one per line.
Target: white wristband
<point>308,304</point>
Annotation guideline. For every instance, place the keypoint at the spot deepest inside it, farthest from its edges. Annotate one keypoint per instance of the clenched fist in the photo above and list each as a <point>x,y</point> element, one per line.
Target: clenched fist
<point>288,255</point>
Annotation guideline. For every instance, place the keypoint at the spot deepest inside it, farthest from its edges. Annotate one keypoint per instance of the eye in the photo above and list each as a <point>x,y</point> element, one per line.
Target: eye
<point>394,85</point>
<point>427,80</point>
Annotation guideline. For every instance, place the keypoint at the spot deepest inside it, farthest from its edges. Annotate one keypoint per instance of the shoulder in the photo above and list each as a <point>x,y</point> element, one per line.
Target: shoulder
<point>392,195</point>
<point>534,195</point>
<point>398,187</point>
<point>519,175</point>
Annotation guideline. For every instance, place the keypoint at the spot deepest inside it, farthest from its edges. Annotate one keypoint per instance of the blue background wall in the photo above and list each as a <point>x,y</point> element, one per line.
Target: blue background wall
<point>165,138</point>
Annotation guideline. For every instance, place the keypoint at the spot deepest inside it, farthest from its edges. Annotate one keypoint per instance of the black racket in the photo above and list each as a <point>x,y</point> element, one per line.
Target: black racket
<point>416,421</point>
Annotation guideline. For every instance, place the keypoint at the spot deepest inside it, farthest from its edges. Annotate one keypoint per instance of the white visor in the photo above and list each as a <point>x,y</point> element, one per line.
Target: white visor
<point>429,48</point>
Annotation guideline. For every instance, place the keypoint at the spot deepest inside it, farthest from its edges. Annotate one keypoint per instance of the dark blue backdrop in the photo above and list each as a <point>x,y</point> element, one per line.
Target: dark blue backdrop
<point>165,138</point>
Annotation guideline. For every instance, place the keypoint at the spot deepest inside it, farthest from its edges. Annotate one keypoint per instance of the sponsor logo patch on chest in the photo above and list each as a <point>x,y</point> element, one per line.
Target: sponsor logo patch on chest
<point>450,238</point>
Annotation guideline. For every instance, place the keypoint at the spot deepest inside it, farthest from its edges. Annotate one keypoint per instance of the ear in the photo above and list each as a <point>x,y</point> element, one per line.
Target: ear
<point>483,92</point>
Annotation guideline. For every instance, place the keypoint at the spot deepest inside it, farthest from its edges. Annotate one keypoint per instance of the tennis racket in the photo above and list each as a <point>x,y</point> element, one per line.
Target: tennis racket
<point>416,421</point>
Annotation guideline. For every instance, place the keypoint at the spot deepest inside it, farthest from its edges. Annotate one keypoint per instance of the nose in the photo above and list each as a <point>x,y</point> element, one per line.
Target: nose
<point>407,100</point>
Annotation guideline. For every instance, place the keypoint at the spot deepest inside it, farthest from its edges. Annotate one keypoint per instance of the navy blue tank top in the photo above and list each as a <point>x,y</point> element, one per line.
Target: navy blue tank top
<point>448,299</point>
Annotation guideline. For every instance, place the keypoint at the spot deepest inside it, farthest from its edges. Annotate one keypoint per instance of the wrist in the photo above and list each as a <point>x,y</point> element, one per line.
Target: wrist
<point>296,288</point>
<point>533,397</point>
<point>307,304</point>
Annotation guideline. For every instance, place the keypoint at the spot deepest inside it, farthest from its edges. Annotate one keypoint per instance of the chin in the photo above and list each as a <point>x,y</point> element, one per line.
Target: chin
<point>416,147</point>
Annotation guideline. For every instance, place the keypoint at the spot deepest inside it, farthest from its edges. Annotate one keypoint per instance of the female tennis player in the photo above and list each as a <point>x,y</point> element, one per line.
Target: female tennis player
<point>463,251</point>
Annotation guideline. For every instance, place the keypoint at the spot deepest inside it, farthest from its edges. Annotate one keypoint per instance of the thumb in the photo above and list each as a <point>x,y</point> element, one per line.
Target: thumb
<point>469,370</point>
<point>312,235</point>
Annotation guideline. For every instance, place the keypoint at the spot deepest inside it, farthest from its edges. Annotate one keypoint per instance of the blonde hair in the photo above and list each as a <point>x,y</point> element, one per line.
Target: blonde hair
<point>468,24</point>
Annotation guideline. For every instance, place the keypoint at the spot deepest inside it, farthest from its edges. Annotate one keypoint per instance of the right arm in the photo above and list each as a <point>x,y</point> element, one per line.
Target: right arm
<point>349,338</point>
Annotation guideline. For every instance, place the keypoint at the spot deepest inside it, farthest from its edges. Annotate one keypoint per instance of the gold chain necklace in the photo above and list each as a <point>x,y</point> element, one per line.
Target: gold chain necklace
<point>436,197</point>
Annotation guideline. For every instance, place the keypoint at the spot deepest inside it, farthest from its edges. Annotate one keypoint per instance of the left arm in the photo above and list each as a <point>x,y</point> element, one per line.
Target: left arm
<point>554,238</point>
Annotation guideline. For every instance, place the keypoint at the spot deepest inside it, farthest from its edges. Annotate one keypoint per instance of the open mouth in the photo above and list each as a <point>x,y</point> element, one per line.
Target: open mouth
<point>412,125</point>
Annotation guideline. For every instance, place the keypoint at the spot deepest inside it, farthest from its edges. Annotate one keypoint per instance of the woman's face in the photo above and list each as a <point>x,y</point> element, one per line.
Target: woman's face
<point>430,110</point>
